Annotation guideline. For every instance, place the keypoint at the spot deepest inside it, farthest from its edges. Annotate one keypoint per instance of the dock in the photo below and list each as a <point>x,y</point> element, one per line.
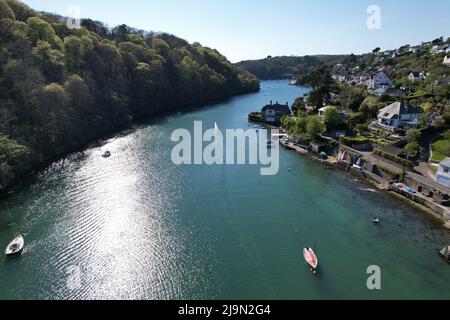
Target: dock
<point>291,146</point>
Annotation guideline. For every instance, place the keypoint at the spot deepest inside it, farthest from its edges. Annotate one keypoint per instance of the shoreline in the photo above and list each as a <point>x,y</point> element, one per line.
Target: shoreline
<point>363,179</point>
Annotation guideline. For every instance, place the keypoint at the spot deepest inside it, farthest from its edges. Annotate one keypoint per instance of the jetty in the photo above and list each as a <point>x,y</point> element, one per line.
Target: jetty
<point>292,146</point>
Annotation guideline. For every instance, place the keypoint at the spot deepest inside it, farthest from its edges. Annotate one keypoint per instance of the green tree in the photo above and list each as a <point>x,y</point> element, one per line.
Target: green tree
<point>5,11</point>
<point>161,47</point>
<point>75,50</point>
<point>332,118</point>
<point>11,158</point>
<point>21,10</point>
<point>50,113</point>
<point>79,97</point>
<point>299,104</point>
<point>412,148</point>
<point>413,135</point>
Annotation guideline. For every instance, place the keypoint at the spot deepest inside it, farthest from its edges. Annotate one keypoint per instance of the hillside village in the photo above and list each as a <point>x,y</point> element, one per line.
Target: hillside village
<point>384,116</point>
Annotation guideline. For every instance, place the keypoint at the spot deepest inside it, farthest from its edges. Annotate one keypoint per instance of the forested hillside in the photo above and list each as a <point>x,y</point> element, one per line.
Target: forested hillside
<point>61,87</point>
<point>285,67</point>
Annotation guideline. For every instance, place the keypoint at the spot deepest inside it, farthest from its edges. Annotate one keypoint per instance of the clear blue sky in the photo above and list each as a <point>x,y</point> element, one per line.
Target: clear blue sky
<point>252,29</point>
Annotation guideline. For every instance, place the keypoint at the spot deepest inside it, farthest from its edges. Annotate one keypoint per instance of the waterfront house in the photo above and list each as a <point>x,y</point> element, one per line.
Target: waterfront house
<point>417,76</point>
<point>446,61</point>
<point>423,185</point>
<point>380,80</point>
<point>274,112</point>
<point>443,173</point>
<point>399,116</point>
<point>439,48</point>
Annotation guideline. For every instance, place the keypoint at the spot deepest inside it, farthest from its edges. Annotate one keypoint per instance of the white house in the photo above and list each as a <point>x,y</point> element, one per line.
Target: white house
<point>417,76</point>
<point>323,110</point>
<point>399,116</point>
<point>439,48</point>
<point>380,80</point>
<point>443,173</point>
<point>446,61</point>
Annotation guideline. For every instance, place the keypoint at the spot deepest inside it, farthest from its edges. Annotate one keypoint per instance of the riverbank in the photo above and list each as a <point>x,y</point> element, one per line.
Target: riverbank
<point>201,231</point>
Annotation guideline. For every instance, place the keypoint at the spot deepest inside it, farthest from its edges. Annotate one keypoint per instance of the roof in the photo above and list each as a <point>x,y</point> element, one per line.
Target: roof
<point>392,150</point>
<point>398,108</point>
<point>445,162</point>
<point>381,74</point>
<point>394,92</point>
<point>326,108</point>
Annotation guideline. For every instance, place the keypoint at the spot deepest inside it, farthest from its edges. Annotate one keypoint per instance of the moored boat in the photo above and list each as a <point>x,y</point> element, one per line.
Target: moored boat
<point>376,220</point>
<point>15,247</point>
<point>311,259</point>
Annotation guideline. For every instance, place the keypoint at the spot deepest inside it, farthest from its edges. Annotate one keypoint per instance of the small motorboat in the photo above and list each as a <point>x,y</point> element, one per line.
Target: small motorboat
<point>179,114</point>
<point>107,154</point>
<point>376,220</point>
<point>311,259</point>
<point>15,247</point>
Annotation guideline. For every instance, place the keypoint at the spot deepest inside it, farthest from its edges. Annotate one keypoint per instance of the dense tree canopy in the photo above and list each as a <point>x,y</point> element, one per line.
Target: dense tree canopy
<point>61,87</point>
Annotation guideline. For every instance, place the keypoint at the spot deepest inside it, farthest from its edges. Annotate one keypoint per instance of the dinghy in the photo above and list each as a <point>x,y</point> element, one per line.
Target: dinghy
<point>311,259</point>
<point>15,247</point>
<point>376,220</point>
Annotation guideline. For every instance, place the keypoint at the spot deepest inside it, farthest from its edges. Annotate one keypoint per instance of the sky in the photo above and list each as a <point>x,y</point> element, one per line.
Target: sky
<point>254,29</point>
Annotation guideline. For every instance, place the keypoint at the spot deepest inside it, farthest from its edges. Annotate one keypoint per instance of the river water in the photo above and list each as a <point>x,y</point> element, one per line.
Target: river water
<point>136,226</point>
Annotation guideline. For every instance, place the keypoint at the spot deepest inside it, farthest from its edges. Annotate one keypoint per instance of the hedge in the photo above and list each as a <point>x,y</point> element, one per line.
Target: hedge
<point>394,175</point>
<point>256,115</point>
<point>403,162</point>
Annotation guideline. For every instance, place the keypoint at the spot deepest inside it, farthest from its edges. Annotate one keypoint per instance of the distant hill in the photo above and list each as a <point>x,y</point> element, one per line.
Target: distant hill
<point>287,66</point>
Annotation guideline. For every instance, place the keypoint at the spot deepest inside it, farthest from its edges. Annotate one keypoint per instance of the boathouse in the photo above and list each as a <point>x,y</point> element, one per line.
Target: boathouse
<point>429,188</point>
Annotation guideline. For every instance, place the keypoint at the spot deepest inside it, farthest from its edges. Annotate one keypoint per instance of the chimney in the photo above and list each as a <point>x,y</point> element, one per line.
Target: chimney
<point>287,103</point>
<point>270,102</point>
